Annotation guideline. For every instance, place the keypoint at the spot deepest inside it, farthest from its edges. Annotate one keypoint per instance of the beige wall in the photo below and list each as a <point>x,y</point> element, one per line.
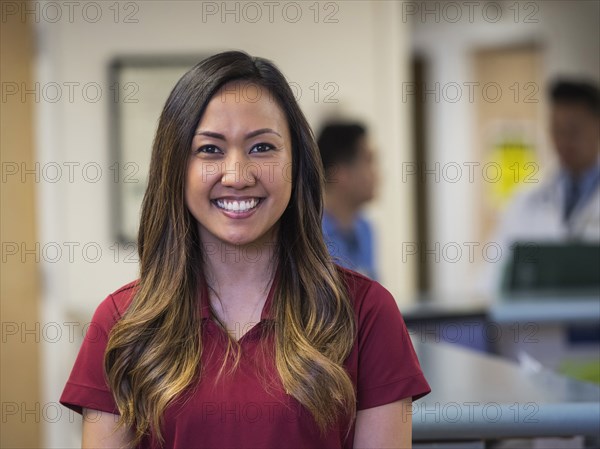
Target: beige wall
<point>517,70</point>
<point>22,409</point>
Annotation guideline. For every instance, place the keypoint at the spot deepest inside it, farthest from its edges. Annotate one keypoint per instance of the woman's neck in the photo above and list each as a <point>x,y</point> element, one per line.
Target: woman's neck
<point>238,280</point>
<point>242,268</point>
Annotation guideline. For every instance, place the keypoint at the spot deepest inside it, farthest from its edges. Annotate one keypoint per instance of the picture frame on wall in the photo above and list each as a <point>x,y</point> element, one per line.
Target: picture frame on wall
<point>139,87</point>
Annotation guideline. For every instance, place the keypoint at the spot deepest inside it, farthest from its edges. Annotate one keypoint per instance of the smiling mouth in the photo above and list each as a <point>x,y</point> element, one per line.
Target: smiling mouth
<point>239,206</point>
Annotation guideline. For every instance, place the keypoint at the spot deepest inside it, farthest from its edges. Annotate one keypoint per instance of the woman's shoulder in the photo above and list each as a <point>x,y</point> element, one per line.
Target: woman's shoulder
<point>123,295</point>
<point>367,295</point>
<point>112,308</point>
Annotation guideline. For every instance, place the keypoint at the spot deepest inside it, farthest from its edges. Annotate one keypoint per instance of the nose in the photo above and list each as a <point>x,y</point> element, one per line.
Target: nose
<point>238,171</point>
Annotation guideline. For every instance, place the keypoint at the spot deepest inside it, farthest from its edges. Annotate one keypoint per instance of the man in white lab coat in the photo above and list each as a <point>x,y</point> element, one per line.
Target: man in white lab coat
<point>566,206</point>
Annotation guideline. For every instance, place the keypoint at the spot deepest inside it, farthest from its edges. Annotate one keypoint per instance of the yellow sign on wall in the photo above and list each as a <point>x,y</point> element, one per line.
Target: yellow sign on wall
<point>512,163</point>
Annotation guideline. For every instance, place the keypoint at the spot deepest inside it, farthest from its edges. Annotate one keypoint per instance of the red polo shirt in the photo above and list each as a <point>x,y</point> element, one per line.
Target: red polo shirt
<point>238,411</point>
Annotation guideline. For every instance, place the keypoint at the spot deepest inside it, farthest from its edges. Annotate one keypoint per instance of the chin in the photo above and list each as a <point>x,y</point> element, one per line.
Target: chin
<point>233,241</point>
<point>238,240</point>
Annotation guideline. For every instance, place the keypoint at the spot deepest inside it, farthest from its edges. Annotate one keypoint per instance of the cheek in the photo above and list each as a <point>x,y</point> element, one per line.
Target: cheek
<point>287,192</point>
<point>281,189</point>
<point>286,180</point>
<point>277,178</point>
<point>196,185</point>
<point>190,183</point>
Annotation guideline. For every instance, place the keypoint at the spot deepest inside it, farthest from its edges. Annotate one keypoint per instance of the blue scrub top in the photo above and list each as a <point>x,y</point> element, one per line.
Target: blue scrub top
<point>352,249</point>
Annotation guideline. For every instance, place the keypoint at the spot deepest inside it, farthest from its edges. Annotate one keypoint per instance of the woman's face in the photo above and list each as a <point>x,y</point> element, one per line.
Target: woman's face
<point>238,181</point>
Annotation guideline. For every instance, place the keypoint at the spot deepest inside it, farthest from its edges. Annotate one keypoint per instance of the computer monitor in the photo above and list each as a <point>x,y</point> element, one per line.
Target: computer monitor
<point>553,268</point>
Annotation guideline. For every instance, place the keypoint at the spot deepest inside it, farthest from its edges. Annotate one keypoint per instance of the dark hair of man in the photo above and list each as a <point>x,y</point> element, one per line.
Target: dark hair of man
<point>338,143</point>
<point>576,92</point>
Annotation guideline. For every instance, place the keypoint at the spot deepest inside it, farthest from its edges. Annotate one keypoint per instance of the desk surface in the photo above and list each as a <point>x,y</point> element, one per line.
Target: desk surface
<point>566,309</point>
<point>539,308</point>
<point>477,396</point>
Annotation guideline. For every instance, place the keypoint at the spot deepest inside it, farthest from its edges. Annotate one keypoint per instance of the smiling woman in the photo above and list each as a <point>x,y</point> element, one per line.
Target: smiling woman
<point>241,331</point>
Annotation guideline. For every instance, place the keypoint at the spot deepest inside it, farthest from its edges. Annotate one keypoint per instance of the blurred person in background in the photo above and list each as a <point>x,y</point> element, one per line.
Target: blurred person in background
<point>350,183</point>
<point>566,206</point>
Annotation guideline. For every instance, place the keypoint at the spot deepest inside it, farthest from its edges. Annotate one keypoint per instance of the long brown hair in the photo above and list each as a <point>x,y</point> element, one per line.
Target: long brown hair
<point>154,349</point>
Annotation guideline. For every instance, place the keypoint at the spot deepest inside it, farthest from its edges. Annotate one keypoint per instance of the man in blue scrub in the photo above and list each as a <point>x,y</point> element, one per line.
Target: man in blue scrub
<point>350,183</point>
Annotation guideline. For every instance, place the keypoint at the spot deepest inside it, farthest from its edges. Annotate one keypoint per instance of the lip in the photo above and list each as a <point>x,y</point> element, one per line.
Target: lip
<point>237,215</point>
<point>236,198</point>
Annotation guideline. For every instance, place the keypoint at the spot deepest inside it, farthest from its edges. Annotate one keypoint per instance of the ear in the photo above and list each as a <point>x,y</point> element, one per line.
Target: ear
<point>337,174</point>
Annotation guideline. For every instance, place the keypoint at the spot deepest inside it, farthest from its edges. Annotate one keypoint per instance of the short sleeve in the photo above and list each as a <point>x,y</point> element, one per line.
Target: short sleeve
<point>87,386</point>
<point>388,368</point>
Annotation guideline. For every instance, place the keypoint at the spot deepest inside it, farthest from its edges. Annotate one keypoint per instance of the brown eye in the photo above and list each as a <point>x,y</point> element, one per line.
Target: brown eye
<point>262,148</point>
<point>208,149</point>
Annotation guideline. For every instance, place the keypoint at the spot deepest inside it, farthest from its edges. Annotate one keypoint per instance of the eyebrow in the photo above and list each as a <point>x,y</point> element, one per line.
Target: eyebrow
<point>247,136</point>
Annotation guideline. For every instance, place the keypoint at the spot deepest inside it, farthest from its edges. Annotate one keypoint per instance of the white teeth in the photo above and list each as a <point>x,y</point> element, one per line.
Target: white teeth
<point>237,206</point>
